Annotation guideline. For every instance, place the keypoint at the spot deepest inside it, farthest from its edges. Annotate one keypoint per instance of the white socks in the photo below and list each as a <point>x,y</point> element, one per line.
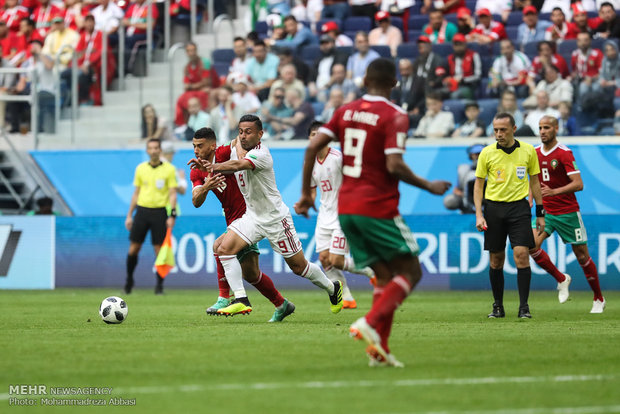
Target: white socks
<point>349,266</point>
<point>313,273</point>
<point>234,276</point>
<point>336,274</point>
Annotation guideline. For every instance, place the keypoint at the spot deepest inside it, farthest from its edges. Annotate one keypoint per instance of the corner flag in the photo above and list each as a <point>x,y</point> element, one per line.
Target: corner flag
<point>165,259</point>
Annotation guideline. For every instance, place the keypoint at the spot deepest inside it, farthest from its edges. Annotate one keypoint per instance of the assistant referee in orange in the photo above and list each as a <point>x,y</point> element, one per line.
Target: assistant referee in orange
<point>507,165</point>
<point>156,184</point>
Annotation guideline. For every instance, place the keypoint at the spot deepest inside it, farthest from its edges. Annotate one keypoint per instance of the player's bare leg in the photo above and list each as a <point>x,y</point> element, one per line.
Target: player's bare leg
<point>227,248</point>
<point>542,259</point>
<point>591,274</point>
<point>301,267</point>
<point>349,265</point>
<point>263,283</point>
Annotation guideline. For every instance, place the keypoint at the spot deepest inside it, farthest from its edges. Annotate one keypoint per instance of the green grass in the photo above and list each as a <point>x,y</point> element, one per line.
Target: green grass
<point>171,357</point>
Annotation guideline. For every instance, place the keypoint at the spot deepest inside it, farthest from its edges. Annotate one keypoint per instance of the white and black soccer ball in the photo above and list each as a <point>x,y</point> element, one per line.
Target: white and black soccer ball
<point>113,310</point>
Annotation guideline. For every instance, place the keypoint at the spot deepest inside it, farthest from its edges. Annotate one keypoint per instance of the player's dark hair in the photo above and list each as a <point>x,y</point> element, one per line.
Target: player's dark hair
<point>504,115</point>
<point>205,133</point>
<point>154,140</point>
<point>252,118</point>
<point>314,125</point>
<point>381,73</point>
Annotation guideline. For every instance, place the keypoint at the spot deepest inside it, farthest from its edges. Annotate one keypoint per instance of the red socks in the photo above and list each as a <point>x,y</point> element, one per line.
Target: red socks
<point>589,270</point>
<point>542,259</point>
<point>222,283</point>
<point>266,287</point>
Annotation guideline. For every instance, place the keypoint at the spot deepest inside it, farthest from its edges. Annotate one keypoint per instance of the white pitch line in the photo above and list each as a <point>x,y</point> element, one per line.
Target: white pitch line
<point>558,410</point>
<point>350,384</point>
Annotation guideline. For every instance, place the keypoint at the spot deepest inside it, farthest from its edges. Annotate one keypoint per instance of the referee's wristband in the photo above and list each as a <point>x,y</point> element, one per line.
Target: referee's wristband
<point>540,211</point>
<point>173,212</point>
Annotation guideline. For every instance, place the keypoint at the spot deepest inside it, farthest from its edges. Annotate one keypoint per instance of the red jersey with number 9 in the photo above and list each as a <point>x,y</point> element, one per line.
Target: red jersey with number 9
<point>555,168</point>
<point>228,193</point>
<point>368,129</point>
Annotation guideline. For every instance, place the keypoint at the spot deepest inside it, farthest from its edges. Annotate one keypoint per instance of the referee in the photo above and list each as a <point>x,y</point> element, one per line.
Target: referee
<point>507,165</point>
<point>156,185</point>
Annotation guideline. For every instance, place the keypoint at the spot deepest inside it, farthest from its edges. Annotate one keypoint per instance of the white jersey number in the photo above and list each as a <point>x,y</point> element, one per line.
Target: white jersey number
<point>545,174</point>
<point>354,140</point>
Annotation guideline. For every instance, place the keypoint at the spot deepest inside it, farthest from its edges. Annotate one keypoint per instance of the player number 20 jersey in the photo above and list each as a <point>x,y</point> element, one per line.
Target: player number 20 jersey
<point>327,176</point>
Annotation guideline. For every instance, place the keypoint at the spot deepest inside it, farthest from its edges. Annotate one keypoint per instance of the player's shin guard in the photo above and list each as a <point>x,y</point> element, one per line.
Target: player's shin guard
<point>234,276</point>
<point>349,266</point>
<point>496,277</point>
<point>222,283</point>
<point>542,259</point>
<point>266,287</point>
<point>589,270</point>
<point>336,274</point>
<point>313,273</point>
<point>394,293</point>
<point>524,277</point>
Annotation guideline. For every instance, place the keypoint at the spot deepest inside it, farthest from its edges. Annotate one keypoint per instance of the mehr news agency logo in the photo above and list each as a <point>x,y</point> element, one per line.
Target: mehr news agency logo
<point>38,394</point>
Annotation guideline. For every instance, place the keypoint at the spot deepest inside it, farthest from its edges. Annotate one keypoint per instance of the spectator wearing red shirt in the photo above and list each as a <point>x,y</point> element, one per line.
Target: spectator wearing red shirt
<point>43,16</point>
<point>561,29</point>
<point>135,22</point>
<point>26,34</point>
<point>586,63</point>
<point>445,6</point>
<point>12,14</point>
<point>487,30</point>
<point>8,41</point>
<point>547,56</point>
<point>581,21</point>
<point>464,70</point>
<point>199,79</point>
<point>74,15</point>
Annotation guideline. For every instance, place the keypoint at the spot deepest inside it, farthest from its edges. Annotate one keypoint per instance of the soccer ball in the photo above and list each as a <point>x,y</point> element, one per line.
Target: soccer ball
<point>113,310</point>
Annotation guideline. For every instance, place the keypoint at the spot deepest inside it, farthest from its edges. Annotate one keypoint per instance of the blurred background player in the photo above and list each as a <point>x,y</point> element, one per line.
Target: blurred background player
<point>266,216</point>
<point>226,190</point>
<point>462,197</point>
<point>331,244</point>
<point>507,165</point>
<point>372,132</point>
<point>156,187</point>
<point>560,180</point>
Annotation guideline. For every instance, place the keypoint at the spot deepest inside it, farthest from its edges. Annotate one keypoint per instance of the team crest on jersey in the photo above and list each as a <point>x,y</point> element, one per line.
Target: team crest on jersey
<point>520,172</point>
<point>554,163</point>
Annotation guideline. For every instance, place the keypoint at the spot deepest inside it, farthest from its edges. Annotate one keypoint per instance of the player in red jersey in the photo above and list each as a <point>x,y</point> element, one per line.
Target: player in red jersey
<point>226,190</point>
<point>372,133</point>
<point>560,179</point>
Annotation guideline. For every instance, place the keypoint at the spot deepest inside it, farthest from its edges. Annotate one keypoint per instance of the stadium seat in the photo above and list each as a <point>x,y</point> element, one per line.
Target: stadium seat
<point>443,49</point>
<point>488,108</point>
<point>320,23</point>
<point>567,46</point>
<point>310,52</point>
<point>487,62</point>
<point>357,23</point>
<point>223,55</point>
<point>515,18</point>
<point>413,35</point>
<point>417,22</point>
<point>261,27</point>
<point>599,43</point>
<point>407,50</point>
<point>511,32</point>
<point>383,51</point>
<point>544,16</point>
<point>567,58</point>
<point>457,107</point>
<point>451,18</point>
<point>350,34</point>
<point>531,49</point>
<point>398,22</point>
<point>495,49</point>
<point>471,4</point>
<point>318,108</point>
<point>346,50</point>
<point>221,68</point>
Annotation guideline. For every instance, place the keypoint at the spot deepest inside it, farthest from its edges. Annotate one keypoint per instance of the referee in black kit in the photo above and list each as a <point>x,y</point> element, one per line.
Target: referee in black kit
<point>507,165</point>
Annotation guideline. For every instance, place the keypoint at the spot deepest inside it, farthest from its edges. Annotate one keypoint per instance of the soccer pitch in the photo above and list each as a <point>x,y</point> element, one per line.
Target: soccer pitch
<point>169,356</point>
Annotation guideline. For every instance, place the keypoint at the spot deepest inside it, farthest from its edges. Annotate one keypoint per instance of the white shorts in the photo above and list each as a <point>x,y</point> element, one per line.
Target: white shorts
<point>332,239</point>
<point>281,234</point>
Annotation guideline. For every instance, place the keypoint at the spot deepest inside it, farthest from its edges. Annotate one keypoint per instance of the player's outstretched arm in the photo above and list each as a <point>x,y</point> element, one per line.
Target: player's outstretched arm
<point>306,201</point>
<point>229,167</point>
<point>398,168</point>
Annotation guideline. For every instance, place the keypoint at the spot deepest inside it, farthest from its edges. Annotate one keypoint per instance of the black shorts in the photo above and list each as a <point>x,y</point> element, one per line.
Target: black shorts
<point>146,219</point>
<point>512,219</point>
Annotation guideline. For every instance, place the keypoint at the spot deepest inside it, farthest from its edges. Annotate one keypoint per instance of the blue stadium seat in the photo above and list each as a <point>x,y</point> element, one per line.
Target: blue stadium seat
<point>310,52</point>
<point>495,49</point>
<point>398,22</point>
<point>261,27</point>
<point>318,107</point>
<point>592,14</point>
<point>515,18</point>
<point>221,68</point>
<point>443,49</point>
<point>383,51</point>
<point>413,35</point>
<point>488,109</point>
<point>487,62</point>
<point>320,23</point>
<point>417,22</point>
<point>511,32</point>
<point>357,23</point>
<point>567,46</point>
<point>531,49</point>
<point>350,34</point>
<point>616,104</point>
<point>450,17</point>
<point>544,16</point>
<point>346,49</point>
<point>599,42</point>
<point>407,50</point>
<point>223,55</point>
<point>567,58</point>
<point>457,107</point>
<point>471,4</point>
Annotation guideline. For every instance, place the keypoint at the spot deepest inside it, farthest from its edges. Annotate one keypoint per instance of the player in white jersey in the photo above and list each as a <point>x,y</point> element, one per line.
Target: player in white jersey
<point>266,216</point>
<point>331,244</point>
